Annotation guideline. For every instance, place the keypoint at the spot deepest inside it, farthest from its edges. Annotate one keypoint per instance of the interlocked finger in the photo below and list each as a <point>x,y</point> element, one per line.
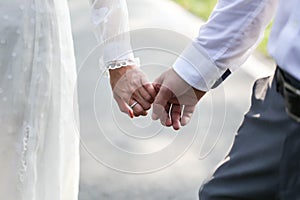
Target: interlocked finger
<point>141,96</point>
<point>176,116</point>
<point>137,109</point>
<point>165,117</point>
<point>187,114</point>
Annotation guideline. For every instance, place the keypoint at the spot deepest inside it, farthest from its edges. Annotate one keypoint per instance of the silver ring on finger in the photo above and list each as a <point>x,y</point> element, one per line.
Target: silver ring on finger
<point>134,104</point>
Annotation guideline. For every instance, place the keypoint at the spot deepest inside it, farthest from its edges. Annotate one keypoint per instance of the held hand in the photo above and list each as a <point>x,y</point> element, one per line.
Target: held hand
<point>130,85</point>
<point>176,100</point>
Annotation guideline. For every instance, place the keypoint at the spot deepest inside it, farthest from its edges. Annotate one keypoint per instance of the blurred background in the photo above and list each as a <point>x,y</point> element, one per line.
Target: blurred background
<point>137,159</point>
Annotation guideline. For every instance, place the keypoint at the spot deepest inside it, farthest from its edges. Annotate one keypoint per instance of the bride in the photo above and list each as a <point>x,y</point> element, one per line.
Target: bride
<point>39,145</point>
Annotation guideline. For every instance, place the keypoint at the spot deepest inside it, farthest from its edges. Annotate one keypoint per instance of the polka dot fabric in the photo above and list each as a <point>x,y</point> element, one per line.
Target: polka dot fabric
<point>39,158</point>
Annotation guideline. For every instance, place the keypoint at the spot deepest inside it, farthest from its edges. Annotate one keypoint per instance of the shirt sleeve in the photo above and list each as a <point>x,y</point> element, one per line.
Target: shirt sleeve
<point>230,35</point>
<point>110,20</point>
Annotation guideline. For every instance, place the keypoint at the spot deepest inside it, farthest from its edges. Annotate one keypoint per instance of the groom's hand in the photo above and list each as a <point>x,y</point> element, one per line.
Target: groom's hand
<point>176,100</point>
<point>130,85</point>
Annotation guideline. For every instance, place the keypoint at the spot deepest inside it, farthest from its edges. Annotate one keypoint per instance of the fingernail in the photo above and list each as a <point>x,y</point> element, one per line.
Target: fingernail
<point>176,128</point>
<point>168,122</point>
<point>130,113</point>
<point>155,116</point>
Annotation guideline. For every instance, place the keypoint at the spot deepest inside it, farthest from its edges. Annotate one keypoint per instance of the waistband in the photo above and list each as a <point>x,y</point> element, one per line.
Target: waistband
<point>288,78</point>
<point>289,88</point>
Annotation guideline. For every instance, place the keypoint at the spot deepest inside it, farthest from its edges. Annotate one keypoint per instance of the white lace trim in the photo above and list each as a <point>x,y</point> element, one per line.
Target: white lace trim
<point>120,63</point>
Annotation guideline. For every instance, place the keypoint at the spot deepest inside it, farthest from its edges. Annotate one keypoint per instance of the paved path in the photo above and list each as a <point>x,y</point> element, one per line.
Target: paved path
<point>217,118</point>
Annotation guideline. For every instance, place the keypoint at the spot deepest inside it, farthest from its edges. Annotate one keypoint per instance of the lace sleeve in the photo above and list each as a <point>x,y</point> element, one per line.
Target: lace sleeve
<point>110,20</point>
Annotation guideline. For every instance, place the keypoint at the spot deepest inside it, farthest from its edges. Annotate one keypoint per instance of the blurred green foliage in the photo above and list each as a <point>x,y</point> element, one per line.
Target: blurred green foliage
<point>203,8</point>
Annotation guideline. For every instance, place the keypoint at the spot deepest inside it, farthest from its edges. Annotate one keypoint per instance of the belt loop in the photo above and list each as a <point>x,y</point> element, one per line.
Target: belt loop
<point>288,87</point>
<point>279,80</point>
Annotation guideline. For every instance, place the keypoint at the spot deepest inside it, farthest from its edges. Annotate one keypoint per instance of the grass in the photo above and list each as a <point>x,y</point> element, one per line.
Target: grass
<point>203,8</point>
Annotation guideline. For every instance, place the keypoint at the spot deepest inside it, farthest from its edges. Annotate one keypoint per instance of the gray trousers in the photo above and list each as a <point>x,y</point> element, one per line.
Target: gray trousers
<point>264,162</point>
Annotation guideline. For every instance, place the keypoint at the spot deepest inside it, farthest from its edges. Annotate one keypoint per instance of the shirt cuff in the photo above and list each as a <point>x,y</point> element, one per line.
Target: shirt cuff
<point>196,68</point>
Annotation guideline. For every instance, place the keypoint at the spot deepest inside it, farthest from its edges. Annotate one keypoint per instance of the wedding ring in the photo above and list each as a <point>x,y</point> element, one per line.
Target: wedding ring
<point>134,104</point>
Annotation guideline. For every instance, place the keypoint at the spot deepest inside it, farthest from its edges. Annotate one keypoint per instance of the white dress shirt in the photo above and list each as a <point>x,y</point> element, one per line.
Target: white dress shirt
<point>233,31</point>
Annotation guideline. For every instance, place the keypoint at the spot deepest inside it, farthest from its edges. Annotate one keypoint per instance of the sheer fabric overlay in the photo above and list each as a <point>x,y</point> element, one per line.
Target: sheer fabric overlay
<point>39,145</point>
<point>110,19</point>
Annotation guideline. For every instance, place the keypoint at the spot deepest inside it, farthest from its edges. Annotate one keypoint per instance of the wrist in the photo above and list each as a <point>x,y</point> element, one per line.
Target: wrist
<point>199,93</point>
<point>116,72</point>
<point>120,66</point>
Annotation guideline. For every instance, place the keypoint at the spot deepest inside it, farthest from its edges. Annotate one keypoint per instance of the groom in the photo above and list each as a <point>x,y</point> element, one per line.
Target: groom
<point>264,160</point>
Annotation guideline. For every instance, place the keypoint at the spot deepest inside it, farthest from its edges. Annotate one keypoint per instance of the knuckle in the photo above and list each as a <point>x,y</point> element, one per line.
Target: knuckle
<point>147,106</point>
<point>131,91</point>
<point>148,98</point>
<point>138,111</point>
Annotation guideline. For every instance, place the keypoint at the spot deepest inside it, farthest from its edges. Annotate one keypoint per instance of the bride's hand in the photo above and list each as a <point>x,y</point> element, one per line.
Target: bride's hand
<point>130,85</point>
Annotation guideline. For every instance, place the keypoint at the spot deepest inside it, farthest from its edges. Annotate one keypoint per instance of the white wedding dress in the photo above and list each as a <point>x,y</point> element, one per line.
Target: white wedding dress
<point>39,137</point>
